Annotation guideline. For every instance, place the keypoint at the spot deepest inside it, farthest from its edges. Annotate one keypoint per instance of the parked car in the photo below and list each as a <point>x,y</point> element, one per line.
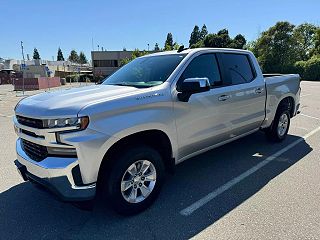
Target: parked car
<point>150,115</point>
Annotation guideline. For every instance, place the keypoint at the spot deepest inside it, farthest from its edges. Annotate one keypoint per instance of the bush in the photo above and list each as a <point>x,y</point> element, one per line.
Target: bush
<point>299,67</point>
<point>71,78</point>
<point>310,69</point>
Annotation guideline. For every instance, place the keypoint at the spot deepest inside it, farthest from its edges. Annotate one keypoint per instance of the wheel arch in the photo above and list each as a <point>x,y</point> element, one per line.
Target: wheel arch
<point>154,138</point>
<point>288,101</point>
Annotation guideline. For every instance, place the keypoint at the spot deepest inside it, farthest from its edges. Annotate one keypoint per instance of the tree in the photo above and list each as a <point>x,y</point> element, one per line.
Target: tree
<point>156,47</point>
<point>36,54</point>
<point>204,32</point>
<point>176,46</point>
<point>60,55</point>
<point>136,53</point>
<point>316,49</point>
<point>199,44</point>
<point>275,49</point>
<point>195,36</point>
<point>238,42</point>
<point>219,40</point>
<point>74,57</point>
<point>168,45</point>
<point>82,58</point>
<point>304,35</point>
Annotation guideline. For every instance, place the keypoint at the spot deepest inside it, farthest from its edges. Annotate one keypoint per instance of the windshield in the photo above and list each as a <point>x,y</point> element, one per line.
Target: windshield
<point>146,71</point>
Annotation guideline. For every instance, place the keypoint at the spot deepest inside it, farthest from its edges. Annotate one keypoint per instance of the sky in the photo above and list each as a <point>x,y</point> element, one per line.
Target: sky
<point>83,25</point>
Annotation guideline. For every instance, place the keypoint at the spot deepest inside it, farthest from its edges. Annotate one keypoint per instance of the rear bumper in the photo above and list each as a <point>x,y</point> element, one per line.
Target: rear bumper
<point>55,174</point>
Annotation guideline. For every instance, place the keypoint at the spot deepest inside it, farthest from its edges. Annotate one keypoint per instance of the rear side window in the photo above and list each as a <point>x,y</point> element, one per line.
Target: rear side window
<point>238,68</point>
<point>203,66</point>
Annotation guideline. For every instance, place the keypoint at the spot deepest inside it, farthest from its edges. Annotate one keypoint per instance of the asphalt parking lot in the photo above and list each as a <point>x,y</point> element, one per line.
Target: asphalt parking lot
<point>248,189</point>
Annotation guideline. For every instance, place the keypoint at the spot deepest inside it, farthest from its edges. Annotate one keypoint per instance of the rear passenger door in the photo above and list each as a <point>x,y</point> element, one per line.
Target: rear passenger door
<point>244,93</point>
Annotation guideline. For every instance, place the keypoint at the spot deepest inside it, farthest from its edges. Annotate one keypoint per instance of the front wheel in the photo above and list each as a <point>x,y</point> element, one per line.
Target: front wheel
<point>278,131</point>
<point>135,180</point>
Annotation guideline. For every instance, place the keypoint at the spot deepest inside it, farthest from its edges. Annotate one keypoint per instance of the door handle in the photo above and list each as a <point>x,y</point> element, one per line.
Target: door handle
<point>258,90</point>
<point>223,97</point>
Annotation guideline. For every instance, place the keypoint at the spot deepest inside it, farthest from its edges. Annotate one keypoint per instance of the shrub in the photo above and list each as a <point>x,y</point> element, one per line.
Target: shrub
<point>310,69</point>
<point>299,67</point>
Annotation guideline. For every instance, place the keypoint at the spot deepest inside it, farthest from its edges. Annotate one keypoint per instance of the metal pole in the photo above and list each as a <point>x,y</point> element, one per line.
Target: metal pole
<point>24,63</point>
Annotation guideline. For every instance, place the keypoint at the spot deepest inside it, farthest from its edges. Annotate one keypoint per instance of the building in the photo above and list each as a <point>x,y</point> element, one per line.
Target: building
<point>104,63</point>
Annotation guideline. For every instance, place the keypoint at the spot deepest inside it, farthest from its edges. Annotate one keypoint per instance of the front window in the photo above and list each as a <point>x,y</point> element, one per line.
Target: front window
<point>146,71</point>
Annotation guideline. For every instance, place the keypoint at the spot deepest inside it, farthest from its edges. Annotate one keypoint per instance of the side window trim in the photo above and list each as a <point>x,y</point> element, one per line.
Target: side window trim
<point>227,75</point>
<point>187,65</point>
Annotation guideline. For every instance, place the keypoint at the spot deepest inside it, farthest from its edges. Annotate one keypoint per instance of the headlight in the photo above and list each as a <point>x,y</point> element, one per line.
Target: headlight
<point>80,123</point>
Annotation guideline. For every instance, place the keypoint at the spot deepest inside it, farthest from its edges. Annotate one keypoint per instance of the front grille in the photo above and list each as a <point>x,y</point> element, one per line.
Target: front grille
<point>30,122</point>
<point>35,151</point>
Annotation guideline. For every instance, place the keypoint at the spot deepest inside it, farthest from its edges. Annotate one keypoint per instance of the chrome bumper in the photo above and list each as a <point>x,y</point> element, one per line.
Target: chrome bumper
<point>55,173</point>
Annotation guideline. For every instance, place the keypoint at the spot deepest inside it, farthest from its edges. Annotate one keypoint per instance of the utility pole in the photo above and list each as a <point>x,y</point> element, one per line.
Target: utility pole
<point>24,65</point>
<point>92,44</point>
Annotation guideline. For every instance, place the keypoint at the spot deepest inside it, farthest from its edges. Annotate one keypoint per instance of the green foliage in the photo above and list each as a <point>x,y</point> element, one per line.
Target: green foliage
<point>304,35</point>
<point>276,49</point>
<point>60,55</point>
<point>82,58</point>
<point>199,44</point>
<point>203,32</point>
<point>195,36</point>
<point>223,40</point>
<point>238,42</point>
<point>74,57</point>
<point>310,69</point>
<point>156,47</point>
<point>136,53</point>
<point>176,46</point>
<point>36,54</point>
<point>316,50</point>
<point>168,45</point>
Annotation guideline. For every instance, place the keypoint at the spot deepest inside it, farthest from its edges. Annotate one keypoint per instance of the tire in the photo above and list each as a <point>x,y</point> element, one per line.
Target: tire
<point>278,131</point>
<point>122,176</point>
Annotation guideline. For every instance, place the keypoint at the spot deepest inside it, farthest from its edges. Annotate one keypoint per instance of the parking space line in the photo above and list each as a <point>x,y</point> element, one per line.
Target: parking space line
<point>309,116</point>
<point>209,197</point>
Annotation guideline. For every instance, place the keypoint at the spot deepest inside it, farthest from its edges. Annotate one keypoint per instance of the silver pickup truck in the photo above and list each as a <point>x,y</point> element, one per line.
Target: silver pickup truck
<point>121,137</point>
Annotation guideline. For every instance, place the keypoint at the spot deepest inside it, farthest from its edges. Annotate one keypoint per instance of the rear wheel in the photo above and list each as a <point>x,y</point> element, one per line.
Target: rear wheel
<point>135,180</point>
<point>278,131</point>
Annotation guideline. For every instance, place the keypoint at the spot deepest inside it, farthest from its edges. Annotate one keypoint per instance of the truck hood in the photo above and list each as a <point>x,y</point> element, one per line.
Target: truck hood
<point>68,102</point>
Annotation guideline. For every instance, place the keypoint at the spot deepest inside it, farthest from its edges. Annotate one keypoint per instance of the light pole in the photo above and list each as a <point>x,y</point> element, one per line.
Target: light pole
<point>24,65</point>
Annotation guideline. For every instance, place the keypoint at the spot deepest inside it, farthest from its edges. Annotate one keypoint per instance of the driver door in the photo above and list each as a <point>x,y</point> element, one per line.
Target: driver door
<point>204,120</point>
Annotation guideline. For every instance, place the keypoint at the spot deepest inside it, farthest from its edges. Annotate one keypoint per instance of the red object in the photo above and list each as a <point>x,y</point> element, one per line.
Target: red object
<point>36,83</point>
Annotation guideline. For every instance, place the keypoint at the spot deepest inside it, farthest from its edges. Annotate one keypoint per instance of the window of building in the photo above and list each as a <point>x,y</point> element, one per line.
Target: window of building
<point>105,63</point>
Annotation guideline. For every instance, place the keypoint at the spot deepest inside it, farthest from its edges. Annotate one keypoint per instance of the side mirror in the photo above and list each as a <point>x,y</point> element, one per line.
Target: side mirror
<point>191,86</point>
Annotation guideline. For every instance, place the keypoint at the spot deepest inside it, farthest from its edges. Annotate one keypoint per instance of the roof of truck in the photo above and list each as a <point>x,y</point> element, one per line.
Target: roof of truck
<point>194,50</point>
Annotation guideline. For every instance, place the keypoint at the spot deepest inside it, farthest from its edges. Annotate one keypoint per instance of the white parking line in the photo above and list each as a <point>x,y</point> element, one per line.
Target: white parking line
<point>309,116</point>
<point>201,202</point>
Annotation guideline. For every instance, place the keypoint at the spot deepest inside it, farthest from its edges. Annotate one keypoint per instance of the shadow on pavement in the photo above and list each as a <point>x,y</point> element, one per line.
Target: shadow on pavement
<point>27,213</point>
